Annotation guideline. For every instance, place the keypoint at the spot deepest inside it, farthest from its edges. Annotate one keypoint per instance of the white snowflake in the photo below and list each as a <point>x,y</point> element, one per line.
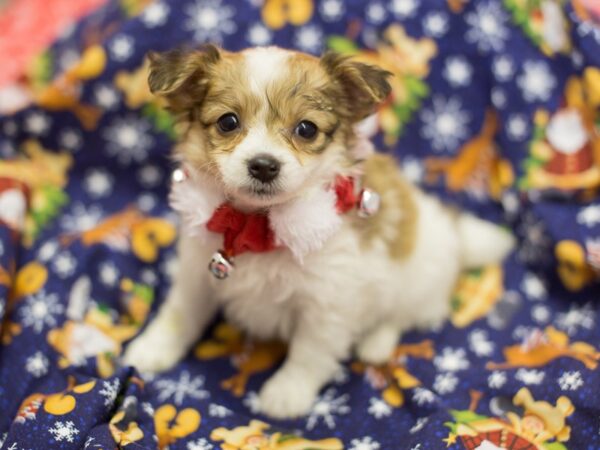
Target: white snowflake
<point>37,123</point>
<point>445,123</point>
<point>110,391</point>
<point>185,386</point>
<point>589,28</point>
<point>128,139</point>
<point>419,424</point>
<point>589,216</point>
<point>375,12</point>
<point>155,15</point>
<point>64,431</point>
<point>404,8</point>
<point>577,317</point>
<point>365,443</point>
<point>326,408</point>
<point>498,97</point>
<point>435,24</point>
<point>496,379</point>
<point>64,264</point>
<point>570,381</point>
<point>332,10</point>
<point>503,68</point>
<point>533,287</point>
<point>121,47</point>
<point>148,408</point>
<point>309,38</point>
<point>487,26</point>
<point>149,277</point>
<point>169,266</point>
<point>210,20</point>
<point>422,396</point>
<point>40,310</point>
<point>517,127</point>
<point>252,402</point>
<point>536,81</point>
<point>81,218</point>
<point>48,250</point>
<point>259,35</point>
<point>457,71</point>
<point>37,364</point>
<point>70,139</point>
<point>219,411</point>
<point>98,183</point>
<point>68,58</point>
<point>540,313</point>
<point>109,274</point>
<point>445,383</point>
<point>106,96</point>
<point>199,444</point>
<point>413,169</point>
<point>149,176</point>
<point>147,201</point>
<point>379,408</point>
<point>480,344</point>
<point>530,376</point>
<point>452,360</point>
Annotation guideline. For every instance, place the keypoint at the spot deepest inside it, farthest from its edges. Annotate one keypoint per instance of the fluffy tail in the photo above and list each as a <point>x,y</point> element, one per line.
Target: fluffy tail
<point>482,242</point>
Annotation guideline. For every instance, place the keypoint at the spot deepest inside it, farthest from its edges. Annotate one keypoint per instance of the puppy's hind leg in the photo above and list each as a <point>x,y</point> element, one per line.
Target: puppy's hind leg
<point>377,346</point>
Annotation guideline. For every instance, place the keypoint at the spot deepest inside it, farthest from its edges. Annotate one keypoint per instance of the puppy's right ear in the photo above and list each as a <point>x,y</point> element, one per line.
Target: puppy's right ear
<point>180,76</point>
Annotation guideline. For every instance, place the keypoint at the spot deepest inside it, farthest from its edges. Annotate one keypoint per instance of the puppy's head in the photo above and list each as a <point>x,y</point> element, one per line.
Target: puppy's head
<point>267,123</point>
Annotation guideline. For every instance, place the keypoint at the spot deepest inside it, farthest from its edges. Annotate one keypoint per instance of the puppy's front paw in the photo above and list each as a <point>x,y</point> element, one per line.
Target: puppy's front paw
<point>155,350</point>
<point>286,395</point>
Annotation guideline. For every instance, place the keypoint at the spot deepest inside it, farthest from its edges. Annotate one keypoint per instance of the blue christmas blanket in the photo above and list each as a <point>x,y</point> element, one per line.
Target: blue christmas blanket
<point>495,107</point>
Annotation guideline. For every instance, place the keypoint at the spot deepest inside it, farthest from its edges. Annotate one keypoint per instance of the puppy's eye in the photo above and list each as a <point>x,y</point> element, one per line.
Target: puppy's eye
<point>306,129</point>
<point>228,123</point>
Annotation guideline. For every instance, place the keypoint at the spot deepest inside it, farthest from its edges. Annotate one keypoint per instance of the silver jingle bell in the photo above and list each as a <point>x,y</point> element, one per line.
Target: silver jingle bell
<point>220,266</point>
<point>178,175</point>
<point>368,204</point>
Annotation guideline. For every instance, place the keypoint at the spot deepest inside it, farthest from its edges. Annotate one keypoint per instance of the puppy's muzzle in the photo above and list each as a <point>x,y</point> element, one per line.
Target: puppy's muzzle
<point>264,168</point>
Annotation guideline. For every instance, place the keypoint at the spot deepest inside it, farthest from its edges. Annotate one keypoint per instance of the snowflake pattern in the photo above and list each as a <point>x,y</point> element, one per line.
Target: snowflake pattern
<point>422,396</point>
<point>379,408</point>
<point>487,26</point>
<point>497,379</point>
<point>435,24</point>
<point>181,388</point>
<point>64,431</point>
<point>365,443</point>
<point>403,9</point>
<point>530,376</point>
<point>570,380</point>
<point>199,444</point>
<point>576,318</point>
<point>219,411</point>
<point>309,38</point>
<point>98,183</point>
<point>457,71</point>
<point>536,81</point>
<point>445,123</point>
<point>445,383</point>
<point>37,364</point>
<point>209,20</point>
<point>451,360</point>
<point>155,15</point>
<point>326,408</point>
<point>128,139</point>
<point>41,310</point>
<point>259,35</point>
<point>110,391</point>
<point>480,344</point>
<point>332,10</point>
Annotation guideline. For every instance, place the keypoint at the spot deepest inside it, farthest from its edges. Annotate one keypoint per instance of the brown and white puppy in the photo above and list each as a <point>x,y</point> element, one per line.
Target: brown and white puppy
<point>266,128</point>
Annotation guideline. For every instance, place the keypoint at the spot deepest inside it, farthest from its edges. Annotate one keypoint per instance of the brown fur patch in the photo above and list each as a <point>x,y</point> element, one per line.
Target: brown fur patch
<point>396,221</point>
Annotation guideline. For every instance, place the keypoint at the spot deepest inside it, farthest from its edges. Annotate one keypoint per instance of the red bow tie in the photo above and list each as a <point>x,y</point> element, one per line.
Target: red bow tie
<point>252,232</point>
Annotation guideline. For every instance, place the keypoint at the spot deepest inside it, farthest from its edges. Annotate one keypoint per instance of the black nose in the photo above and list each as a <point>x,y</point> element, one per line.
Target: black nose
<point>264,168</point>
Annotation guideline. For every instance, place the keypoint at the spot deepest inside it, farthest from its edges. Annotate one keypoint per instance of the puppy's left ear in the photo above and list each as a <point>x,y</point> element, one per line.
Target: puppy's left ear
<point>364,86</point>
<point>180,76</point>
